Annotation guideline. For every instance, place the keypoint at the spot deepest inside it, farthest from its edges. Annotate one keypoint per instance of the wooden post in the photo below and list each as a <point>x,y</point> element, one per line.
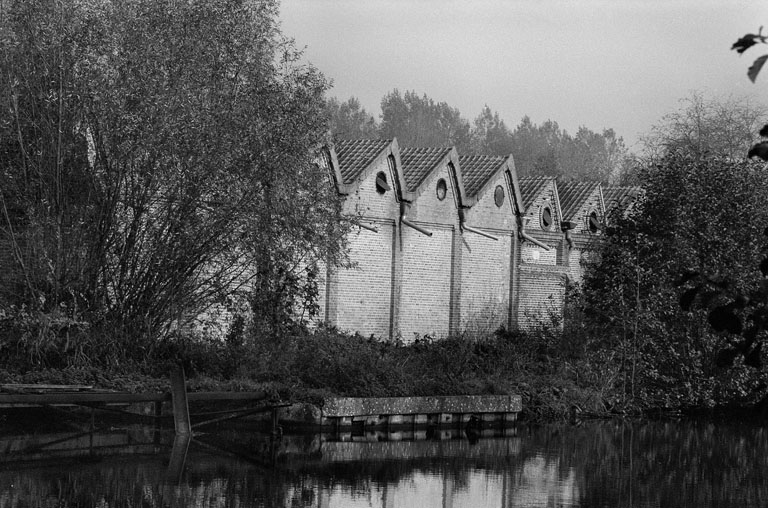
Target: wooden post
<point>178,458</point>
<point>180,405</point>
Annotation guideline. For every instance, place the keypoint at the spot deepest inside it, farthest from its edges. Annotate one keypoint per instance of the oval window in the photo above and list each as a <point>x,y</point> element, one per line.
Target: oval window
<point>441,189</point>
<point>546,217</point>
<point>381,182</point>
<point>498,196</point>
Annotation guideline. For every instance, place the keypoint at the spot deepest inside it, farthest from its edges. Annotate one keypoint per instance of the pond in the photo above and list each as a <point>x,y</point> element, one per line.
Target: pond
<point>693,463</point>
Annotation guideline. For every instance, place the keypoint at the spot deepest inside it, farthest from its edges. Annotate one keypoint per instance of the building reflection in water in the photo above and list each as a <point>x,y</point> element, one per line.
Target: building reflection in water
<point>638,464</point>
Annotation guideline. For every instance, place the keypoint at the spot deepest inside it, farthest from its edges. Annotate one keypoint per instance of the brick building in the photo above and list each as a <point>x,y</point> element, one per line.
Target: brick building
<point>437,249</point>
<point>543,270</point>
<point>583,216</point>
<point>446,243</point>
<point>490,245</point>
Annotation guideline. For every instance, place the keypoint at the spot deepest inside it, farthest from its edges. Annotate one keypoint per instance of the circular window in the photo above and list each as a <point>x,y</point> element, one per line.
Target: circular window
<point>593,223</point>
<point>546,217</point>
<point>498,196</point>
<point>441,189</point>
<point>381,182</point>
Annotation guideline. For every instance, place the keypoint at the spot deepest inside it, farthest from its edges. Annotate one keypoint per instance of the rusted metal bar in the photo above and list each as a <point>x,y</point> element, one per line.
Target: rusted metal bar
<point>478,232</point>
<point>414,226</point>
<point>369,228</point>
<point>531,239</point>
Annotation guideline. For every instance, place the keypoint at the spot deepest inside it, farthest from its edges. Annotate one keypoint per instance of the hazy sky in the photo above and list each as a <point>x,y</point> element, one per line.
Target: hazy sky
<point>618,64</point>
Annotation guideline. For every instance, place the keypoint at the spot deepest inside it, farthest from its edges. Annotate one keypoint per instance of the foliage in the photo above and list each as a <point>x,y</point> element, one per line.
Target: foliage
<point>699,214</point>
<point>739,311</point>
<point>546,150</point>
<point>746,42</point>
<point>420,121</point>
<point>155,156</point>
<point>722,126</point>
<point>490,135</point>
<point>349,120</point>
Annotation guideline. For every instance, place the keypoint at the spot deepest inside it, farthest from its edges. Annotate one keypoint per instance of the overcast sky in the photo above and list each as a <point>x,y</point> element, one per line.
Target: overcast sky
<point>618,64</point>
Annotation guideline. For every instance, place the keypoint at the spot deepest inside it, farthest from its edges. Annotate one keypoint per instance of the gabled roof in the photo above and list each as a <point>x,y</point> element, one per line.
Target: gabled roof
<point>477,170</point>
<point>622,197</point>
<point>348,161</point>
<point>418,163</point>
<point>573,194</point>
<point>356,155</point>
<point>531,187</point>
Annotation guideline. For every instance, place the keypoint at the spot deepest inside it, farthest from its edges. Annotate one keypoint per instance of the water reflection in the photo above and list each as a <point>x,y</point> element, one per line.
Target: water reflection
<point>615,464</point>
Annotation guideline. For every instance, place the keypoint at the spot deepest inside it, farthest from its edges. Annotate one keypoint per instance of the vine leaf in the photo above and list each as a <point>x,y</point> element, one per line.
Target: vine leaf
<point>754,69</point>
<point>747,42</point>
<point>759,150</point>
<point>764,131</point>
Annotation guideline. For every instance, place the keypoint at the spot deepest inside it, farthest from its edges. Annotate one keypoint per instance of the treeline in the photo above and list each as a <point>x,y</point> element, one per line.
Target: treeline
<point>539,150</point>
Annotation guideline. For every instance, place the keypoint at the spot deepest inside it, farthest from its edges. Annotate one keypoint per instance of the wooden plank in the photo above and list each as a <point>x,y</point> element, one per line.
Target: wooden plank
<point>16,386</point>
<point>11,399</point>
<point>212,396</point>
<point>88,398</point>
<point>180,405</point>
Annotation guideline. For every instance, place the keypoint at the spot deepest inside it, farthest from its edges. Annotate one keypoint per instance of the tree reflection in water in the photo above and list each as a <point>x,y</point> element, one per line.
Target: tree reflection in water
<point>606,463</point>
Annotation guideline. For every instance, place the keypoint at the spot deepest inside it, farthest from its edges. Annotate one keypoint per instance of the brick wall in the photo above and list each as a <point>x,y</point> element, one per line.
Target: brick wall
<point>364,291</point>
<point>487,265</point>
<point>359,298</point>
<point>542,294</point>
<point>425,288</point>
<point>542,273</point>
<point>428,302</point>
<point>485,281</point>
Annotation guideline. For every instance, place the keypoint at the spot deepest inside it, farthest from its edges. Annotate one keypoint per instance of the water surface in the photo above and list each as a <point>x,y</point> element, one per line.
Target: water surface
<point>699,464</point>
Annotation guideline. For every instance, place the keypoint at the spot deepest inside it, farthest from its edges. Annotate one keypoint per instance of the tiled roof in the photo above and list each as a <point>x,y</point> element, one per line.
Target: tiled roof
<point>531,187</point>
<point>622,196</point>
<point>476,170</point>
<point>356,155</point>
<point>573,194</point>
<point>418,163</point>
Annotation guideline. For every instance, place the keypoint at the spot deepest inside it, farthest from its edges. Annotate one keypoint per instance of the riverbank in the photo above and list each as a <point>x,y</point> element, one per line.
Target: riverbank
<point>554,380</point>
<point>312,366</point>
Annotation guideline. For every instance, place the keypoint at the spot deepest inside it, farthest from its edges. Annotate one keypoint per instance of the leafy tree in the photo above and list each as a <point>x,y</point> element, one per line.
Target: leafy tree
<point>490,135</point>
<point>702,214</point>
<point>420,121</point>
<point>739,311</point>
<point>349,120</point>
<point>721,126</point>
<point>156,155</point>
<point>546,150</point>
